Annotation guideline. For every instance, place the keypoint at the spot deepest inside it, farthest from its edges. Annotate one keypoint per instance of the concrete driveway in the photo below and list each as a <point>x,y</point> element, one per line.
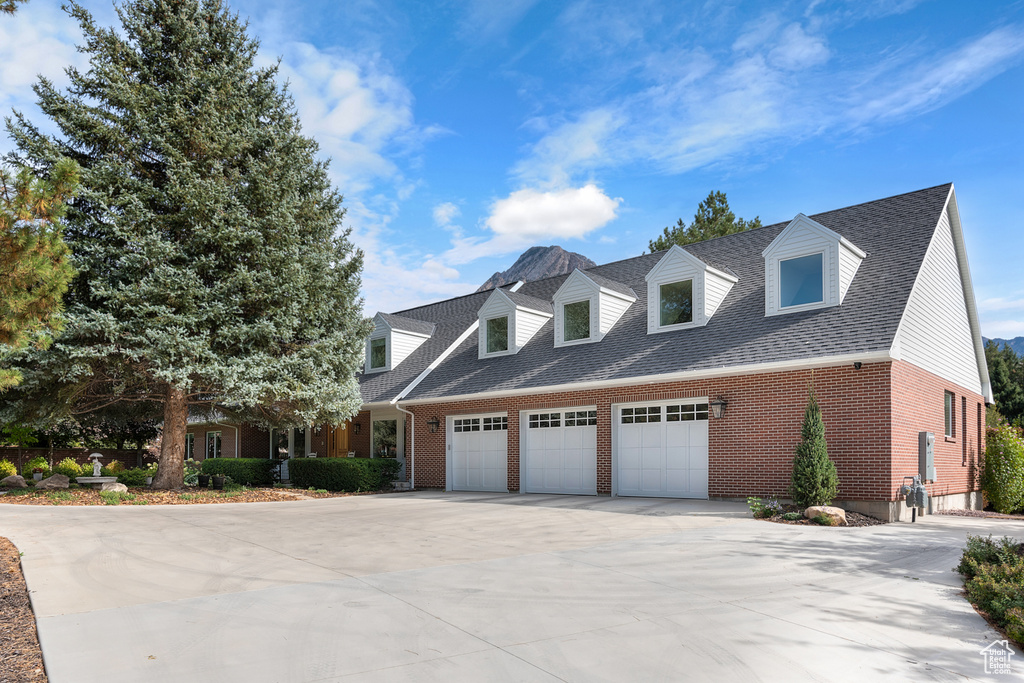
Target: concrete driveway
<point>434,586</point>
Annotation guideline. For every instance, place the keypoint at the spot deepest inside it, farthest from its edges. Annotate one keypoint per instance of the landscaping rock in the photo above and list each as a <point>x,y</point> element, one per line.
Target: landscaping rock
<point>838,514</point>
<point>56,481</point>
<point>114,486</point>
<point>15,481</point>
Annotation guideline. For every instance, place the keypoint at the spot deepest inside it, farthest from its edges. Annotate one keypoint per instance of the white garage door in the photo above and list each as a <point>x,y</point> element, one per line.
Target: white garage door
<point>479,453</point>
<point>662,449</point>
<point>560,451</point>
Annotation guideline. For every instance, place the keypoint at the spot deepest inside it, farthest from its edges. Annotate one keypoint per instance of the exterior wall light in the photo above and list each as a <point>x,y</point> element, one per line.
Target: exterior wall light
<point>433,423</point>
<point>718,407</point>
<point>856,365</point>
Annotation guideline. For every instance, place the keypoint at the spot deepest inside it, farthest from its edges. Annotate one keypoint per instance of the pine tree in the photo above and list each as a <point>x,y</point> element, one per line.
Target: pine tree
<point>815,481</point>
<point>34,267</point>
<point>212,270</point>
<point>714,218</point>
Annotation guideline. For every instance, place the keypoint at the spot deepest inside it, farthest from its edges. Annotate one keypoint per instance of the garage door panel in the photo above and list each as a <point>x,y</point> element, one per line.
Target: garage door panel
<point>479,453</point>
<point>662,450</point>
<point>559,457</point>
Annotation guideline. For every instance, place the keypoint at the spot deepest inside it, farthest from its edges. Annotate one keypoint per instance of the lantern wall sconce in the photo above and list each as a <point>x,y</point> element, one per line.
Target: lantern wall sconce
<point>718,407</point>
<point>433,423</point>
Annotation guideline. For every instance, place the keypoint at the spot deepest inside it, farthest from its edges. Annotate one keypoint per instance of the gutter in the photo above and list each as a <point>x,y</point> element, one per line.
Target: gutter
<point>412,446</point>
<point>220,424</point>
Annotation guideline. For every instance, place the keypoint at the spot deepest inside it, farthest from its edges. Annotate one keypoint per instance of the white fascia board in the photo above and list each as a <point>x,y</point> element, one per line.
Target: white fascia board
<point>437,361</point>
<point>968,286</point>
<point>721,273</point>
<point>710,373</point>
<point>617,295</point>
<point>801,219</point>
<point>411,334</point>
<point>535,311</point>
<point>852,247</point>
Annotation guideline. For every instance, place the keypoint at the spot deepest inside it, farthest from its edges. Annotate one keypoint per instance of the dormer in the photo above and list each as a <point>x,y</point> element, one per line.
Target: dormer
<point>684,291</point>
<point>508,320</point>
<point>393,339</point>
<point>808,266</point>
<point>587,306</point>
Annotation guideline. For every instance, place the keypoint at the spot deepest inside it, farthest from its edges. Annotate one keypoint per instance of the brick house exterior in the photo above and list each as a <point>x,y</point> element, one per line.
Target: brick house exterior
<point>604,382</point>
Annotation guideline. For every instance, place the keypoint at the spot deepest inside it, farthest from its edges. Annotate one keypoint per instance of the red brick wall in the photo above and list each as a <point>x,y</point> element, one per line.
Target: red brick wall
<point>360,442</point>
<point>919,406</point>
<point>751,448</point>
<point>253,442</point>
<point>128,458</point>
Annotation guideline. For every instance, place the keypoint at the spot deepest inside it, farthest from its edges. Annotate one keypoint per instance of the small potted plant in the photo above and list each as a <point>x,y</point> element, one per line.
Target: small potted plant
<point>204,481</point>
<point>151,469</point>
<point>218,482</point>
<point>37,473</point>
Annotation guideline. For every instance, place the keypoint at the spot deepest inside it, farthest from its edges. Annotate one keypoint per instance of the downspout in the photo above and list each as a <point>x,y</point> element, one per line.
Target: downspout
<point>412,447</point>
<point>219,424</point>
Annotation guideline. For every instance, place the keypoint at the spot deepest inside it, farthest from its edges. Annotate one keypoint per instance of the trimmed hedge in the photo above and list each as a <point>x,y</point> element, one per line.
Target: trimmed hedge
<point>343,474</point>
<point>1002,480</point>
<point>134,477</point>
<point>246,471</point>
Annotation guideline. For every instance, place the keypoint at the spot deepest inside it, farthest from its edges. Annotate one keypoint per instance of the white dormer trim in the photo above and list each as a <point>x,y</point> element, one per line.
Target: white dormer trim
<point>803,236</point>
<point>710,287</point>
<point>523,323</point>
<point>399,344</point>
<point>606,307</point>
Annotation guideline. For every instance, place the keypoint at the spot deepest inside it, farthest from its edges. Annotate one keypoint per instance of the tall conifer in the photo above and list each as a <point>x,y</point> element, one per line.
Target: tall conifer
<point>815,481</point>
<point>212,269</point>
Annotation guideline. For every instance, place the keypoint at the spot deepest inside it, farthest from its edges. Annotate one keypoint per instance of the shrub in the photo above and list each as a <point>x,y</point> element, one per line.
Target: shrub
<point>764,509</point>
<point>793,516</point>
<point>1003,476</point>
<point>36,462</point>
<point>248,471</point>
<point>994,580</point>
<point>69,468</point>
<point>815,481</point>
<point>825,520</point>
<point>115,468</point>
<point>343,474</point>
<point>191,472</point>
<point>7,469</point>
<point>133,477</point>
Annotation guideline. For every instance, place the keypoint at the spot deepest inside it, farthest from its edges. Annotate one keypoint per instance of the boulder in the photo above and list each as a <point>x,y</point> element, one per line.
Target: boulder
<point>15,481</point>
<point>838,514</point>
<point>114,486</point>
<point>56,481</point>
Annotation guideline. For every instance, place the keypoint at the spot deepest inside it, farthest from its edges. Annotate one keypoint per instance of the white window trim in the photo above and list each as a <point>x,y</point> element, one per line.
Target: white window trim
<point>509,336</point>
<point>590,326</point>
<point>694,317</point>
<point>824,284</point>
<point>387,354</point>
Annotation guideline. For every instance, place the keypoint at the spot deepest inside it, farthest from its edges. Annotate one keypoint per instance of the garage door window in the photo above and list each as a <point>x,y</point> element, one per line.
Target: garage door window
<point>642,414</point>
<point>494,424</point>
<point>687,411</point>
<point>580,418</point>
<point>467,424</point>
<point>545,420</point>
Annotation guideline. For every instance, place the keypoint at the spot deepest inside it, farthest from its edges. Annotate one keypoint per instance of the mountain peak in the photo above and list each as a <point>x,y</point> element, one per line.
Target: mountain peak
<point>537,263</point>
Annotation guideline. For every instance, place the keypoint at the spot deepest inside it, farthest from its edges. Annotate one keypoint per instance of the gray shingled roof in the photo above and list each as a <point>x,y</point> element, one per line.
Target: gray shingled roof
<point>398,322</point>
<point>530,302</point>
<point>608,283</point>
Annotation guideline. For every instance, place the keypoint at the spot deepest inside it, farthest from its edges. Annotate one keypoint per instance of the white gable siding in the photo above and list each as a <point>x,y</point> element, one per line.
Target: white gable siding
<point>401,346</point>
<point>527,325</point>
<point>935,332</point>
<point>849,262</point>
<point>716,288</point>
<point>577,290</point>
<point>496,306</point>
<point>611,309</point>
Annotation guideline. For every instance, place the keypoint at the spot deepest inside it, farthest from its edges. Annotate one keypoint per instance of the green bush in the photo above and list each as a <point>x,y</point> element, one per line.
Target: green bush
<point>133,477</point>
<point>793,516</point>
<point>7,469</point>
<point>994,580</point>
<point>192,470</point>
<point>38,461</point>
<point>815,481</point>
<point>69,468</point>
<point>343,474</point>
<point>825,520</point>
<point>247,471</point>
<point>1003,476</point>
<point>115,468</point>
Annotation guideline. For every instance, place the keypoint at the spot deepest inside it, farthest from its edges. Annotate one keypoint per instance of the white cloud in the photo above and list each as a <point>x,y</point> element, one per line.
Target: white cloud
<point>445,213</point>
<point>529,216</point>
<point>797,50</point>
<point>1003,329</point>
<point>572,147</point>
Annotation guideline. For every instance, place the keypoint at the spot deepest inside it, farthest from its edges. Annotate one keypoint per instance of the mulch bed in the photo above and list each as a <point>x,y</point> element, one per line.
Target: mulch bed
<point>852,518</point>
<point>21,660</point>
<point>145,496</point>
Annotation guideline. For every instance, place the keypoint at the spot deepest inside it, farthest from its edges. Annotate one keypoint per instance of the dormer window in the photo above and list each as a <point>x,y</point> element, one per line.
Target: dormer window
<point>576,320</point>
<point>801,281</point>
<point>684,291</point>
<point>587,306</point>
<point>394,338</point>
<point>378,353</point>
<point>508,320</point>
<point>808,266</point>
<point>497,334</point>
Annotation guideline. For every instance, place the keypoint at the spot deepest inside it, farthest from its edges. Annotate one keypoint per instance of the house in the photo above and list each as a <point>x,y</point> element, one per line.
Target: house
<point>686,373</point>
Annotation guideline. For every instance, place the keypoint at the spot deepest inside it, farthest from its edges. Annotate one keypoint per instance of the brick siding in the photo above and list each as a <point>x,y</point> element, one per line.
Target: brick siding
<point>128,458</point>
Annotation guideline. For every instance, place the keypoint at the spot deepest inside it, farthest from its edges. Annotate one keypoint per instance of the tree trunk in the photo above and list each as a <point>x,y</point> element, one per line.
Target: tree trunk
<point>171,473</point>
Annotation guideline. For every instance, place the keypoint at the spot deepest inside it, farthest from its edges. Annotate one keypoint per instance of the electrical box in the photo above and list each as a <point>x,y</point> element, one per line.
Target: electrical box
<point>926,455</point>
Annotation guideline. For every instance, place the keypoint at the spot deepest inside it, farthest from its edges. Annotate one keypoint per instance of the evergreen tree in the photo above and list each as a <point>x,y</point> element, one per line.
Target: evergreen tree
<point>713,219</point>
<point>34,267</point>
<point>815,481</point>
<point>1006,373</point>
<point>10,6</point>
<point>212,270</point>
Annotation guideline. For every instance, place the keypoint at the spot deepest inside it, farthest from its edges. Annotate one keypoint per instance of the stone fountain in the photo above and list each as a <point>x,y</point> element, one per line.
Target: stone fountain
<point>96,480</point>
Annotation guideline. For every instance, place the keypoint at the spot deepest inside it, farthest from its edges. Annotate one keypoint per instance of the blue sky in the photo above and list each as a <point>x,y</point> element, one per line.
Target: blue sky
<point>462,133</point>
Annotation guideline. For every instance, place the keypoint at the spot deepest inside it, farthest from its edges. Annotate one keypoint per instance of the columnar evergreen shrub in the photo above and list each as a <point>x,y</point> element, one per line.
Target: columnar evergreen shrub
<point>815,481</point>
<point>1003,477</point>
<point>69,467</point>
<point>247,471</point>
<point>343,474</point>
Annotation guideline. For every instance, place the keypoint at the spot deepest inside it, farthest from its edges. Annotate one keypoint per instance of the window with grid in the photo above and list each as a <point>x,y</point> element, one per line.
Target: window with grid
<point>466,424</point>
<point>580,418</point>
<point>543,420</point>
<point>642,414</point>
<point>686,412</point>
<point>494,424</point>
